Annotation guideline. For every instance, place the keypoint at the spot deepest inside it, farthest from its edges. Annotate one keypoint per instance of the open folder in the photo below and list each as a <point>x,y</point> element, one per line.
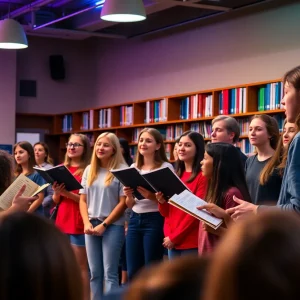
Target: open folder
<point>60,174</point>
<point>188,202</point>
<point>160,180</point>
<point>31,190</point>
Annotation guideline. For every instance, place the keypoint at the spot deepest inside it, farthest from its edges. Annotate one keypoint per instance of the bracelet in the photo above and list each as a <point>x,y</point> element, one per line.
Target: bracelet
<point>104,224</point>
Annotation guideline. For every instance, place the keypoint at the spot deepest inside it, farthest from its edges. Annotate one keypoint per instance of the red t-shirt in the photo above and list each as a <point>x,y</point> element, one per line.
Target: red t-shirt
<point>68,218</point>
<point>208,241</point>
<point>180,227</point>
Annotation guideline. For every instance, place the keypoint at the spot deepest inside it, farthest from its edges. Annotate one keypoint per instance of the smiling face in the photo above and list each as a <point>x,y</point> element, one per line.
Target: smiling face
<point>147,144</point>
<point>75,147</point>
<point>207,165</point>
<point>39,153</point>
<point>104,149</point>
<point>291,102</point>
<point>258,134</point>
<point>21,156</point>
<point>220,134</point>
<point>288,133</point>
<point>186,149</point>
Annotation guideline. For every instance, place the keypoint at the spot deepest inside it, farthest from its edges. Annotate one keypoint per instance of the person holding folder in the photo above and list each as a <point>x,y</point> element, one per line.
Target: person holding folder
<point>25,161</point>
<point>102,207</point>
<point>68,218</point>
<point>145,229</point>
<point>181,229</point>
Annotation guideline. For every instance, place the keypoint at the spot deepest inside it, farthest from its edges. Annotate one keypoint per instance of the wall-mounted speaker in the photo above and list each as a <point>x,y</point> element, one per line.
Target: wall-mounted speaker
<point>57,67</point>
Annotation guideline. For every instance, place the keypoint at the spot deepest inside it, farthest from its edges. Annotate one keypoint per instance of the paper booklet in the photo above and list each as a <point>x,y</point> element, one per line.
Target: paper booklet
<point>160,180</point>
<point>188,202</point>
<point>60,174</point>
<point>31,190</point>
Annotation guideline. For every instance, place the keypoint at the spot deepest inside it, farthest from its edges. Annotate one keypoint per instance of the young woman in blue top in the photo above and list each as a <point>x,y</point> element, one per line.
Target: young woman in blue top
<point>25,161</point>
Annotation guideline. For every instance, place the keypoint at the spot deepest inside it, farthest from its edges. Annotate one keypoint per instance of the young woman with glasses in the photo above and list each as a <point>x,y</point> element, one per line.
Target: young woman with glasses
<point>68,218</point>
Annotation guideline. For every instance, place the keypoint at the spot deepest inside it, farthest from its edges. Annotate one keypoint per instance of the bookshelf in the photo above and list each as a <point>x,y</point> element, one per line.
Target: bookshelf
<point>171,115</point>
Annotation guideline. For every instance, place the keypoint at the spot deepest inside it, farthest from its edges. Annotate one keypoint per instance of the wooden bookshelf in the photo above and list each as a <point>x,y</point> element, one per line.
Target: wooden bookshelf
<point>180,112</point>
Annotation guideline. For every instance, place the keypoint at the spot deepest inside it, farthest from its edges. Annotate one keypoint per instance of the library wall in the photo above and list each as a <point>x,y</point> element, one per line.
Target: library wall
<point>54,96</point>
<point>8,68</point>
<point>242,50</point>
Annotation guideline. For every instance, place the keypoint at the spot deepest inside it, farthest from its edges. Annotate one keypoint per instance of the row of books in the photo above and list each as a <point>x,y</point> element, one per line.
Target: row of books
<point>126,115</point>
<point>87,120</point>
<point>204,128</point>
<point>232,101</point>
<point>105,118</point>
<point>245,122</point>
<point>269,96</point>
<point>245,146</point>
<point>196,106</point>
<point>169,133</point>
<point>67,123</point>
<point>156,111</point>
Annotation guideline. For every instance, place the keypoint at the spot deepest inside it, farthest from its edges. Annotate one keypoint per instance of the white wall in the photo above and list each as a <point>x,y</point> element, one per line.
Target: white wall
<point>247,49</point>
<point>8,67</point>
<point>72,93</point>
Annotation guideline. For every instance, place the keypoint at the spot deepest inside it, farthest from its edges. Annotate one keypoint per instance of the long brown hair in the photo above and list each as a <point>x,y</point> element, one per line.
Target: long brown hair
<point>277,161</point>
<point>31,159</point>
<point>85,157</point>
<point>47,264</point>
<point>6,170</point>
<point>198,141</point>
<point>48,158</point>
<point>159,155</point>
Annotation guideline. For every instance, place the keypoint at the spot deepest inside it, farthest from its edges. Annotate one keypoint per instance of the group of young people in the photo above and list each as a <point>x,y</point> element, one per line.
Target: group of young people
<point>234,186</point>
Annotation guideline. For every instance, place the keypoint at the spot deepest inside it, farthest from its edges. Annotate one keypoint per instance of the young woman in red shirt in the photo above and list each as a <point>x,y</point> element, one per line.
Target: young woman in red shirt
<point>180,228</point>
<point>68,217</point>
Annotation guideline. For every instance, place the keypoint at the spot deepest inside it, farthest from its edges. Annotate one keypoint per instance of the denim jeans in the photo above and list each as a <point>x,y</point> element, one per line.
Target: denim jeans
<point>103,254</point>
<point>173,253</point>
<point>143,241</point>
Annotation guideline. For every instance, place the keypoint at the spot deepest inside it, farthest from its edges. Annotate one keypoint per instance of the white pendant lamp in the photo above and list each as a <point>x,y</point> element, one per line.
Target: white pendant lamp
<point>123,11</point>
<point>12,35</point>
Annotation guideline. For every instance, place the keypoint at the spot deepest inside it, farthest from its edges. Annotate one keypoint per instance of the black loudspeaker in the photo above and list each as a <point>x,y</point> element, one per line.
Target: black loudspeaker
<point>57,67</point>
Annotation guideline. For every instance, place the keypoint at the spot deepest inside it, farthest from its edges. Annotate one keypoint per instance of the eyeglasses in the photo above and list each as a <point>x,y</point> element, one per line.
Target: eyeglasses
<point>75,145</point>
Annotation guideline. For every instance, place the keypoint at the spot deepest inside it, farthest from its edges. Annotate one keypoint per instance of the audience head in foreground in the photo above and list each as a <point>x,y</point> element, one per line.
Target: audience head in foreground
<point>180,278</point>
<point>36,261</point>
<point>259,258</point>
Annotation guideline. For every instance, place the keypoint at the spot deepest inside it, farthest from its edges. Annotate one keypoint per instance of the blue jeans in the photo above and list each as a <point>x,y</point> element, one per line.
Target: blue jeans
<point>143,241</point>
<point>173,253</point>
<point>103,253</point>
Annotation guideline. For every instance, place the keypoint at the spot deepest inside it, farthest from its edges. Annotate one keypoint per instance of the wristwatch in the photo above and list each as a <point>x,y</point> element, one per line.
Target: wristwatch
<point>104,224</point>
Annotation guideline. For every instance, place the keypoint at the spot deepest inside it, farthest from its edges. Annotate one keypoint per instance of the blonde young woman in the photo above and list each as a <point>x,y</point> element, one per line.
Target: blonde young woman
<point>145,229</point>
<point>43,160</point>
<point>68,218</point>
<point>102,206</point>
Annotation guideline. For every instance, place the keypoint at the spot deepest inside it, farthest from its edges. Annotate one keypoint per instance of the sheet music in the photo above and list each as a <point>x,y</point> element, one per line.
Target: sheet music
<point>190,202</point>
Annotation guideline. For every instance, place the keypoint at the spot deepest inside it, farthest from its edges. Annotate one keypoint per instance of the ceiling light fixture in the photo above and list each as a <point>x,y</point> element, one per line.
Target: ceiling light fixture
<point>123,11</point>
<point>12,35</point>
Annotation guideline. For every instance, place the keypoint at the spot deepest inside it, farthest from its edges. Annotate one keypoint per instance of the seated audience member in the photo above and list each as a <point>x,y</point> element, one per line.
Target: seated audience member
<point>180,278</point>
<point>226,129</point>
<point>259,258</point>
<point>36,260</point>
<point>20,203</point>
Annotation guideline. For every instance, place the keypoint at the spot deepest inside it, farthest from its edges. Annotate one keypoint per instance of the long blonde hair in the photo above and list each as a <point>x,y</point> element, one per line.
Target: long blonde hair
<point>115,161</point>
<point>85,157</point>
<point>159,155</point>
